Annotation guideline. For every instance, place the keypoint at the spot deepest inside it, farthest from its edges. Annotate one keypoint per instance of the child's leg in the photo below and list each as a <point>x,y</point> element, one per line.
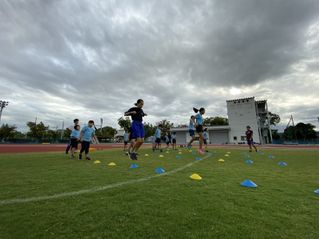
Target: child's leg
<point>138,144</point>
<point>87,149</point>
<point>82,149</point>
<point>200,141</point>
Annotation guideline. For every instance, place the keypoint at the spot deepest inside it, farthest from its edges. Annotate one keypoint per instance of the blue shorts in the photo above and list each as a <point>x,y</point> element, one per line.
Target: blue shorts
<point>191,132</point>
<point>137,130</point>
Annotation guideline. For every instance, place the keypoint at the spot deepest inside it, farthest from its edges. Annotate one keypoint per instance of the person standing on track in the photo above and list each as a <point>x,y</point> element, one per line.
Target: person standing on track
<point>249,136</point>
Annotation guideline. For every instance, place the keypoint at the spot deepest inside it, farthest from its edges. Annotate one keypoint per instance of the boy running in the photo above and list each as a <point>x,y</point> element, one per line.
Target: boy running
<point>69,129</point>
<point>86,136</point>
<point>249,134</point>
<point>74,137</point>
<point>191,130</point>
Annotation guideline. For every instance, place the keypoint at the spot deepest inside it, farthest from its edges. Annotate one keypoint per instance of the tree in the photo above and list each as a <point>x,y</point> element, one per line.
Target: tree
<point>37,131</point>
<point>7,131</point>
<point>106,133</point>
<point>274,118</point>
<point>124,123</point>
<point>165,126</point>
<point>149,130</point>
<point>300,132</point>
<point>215,121</point>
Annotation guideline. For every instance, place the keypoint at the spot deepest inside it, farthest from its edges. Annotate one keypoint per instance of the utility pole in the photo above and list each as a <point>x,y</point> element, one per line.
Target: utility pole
<point>3,104</point>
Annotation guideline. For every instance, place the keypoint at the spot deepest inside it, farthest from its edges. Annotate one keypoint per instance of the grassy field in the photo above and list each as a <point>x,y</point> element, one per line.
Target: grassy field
<point>150,205</point>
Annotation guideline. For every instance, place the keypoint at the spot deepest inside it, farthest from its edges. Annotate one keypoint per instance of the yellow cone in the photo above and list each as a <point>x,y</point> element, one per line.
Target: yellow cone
<point>97,161</point>
<point>112,164</point>
<point>167,152</point>
<point>161,156</point>
<point>146,155</point>
<point>228,152</point>
<point>180,153</point>
<point>227,155</point>
<point>195,176</point>
<point>190,151</point>
<point>221,160</point>
<point>92,149</point>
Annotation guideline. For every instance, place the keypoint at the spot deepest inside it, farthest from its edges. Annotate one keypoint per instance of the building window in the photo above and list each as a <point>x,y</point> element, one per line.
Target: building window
<point>234,137</point>
<point>243,138</point>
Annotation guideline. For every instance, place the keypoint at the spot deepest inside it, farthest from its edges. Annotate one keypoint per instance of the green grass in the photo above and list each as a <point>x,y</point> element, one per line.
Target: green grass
<point>171,206</point>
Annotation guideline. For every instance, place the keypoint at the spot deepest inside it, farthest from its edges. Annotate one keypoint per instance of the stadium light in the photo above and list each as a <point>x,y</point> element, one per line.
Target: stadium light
<point>3,104</point>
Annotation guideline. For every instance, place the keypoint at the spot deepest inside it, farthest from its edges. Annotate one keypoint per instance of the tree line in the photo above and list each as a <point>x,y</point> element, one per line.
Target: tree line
<point>39,132</point>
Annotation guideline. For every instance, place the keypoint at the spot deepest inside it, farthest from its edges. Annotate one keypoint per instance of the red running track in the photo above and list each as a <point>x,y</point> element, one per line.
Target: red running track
<point>28,148</point>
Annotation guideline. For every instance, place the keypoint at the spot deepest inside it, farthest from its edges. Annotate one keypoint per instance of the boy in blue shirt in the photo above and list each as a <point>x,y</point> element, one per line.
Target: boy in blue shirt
<point>86,136</point>
<point>74,137</point>
<point>157,136</point>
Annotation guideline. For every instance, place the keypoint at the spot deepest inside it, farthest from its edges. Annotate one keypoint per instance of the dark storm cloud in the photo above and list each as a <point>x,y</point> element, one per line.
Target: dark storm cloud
<point>103,55</point>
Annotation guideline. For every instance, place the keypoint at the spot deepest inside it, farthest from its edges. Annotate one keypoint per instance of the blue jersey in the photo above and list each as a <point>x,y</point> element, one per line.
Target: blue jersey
<point>199,119</point>
<point>205,135</point>
<point>191,125</point>
<point>88,133</point>
<point>75,133</point>
<point>158,133</point>
<point>126,137</point>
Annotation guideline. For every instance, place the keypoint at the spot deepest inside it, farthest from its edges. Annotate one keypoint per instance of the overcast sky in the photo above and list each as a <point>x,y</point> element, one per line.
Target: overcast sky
<point>67,59</point>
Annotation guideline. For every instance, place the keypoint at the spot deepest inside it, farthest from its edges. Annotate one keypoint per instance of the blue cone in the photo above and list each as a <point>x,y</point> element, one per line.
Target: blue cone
<point>271,157</point>
<point>134,165</point>
<point>248,183</point>
<point>249,161</point>
<point>316,191</point>
<point>159,170</point>
<point>198,158</point>
<point>178,156</point>
<point>282,164</point>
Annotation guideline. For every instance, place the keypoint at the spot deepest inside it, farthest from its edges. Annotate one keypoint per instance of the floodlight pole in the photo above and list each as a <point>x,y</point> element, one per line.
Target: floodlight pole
<point>3,104</point>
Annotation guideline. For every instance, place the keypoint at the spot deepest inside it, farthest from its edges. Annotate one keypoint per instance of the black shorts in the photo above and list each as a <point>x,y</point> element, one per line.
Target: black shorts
<point>199,128</point>
<point>74,143</point>
<point>174,141</point>
<point>125,142</point>
<point>158,140</point>
<point>85,146</point>
<point>205,141</point>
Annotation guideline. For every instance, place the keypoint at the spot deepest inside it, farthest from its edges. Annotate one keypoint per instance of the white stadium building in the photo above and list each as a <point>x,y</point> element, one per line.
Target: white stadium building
<point>241,112</point>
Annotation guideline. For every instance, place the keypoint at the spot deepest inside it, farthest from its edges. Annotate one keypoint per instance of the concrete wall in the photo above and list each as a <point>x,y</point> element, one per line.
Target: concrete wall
<point>240,114</point>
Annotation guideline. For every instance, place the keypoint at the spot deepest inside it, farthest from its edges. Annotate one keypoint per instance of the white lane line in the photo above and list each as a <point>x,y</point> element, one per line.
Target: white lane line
<point>96,189</point>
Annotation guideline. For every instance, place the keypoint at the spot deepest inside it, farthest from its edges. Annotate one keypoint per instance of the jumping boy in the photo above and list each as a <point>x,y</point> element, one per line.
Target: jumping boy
<point>137,127</point>
<point>86,136</point>
<point>199,127</point>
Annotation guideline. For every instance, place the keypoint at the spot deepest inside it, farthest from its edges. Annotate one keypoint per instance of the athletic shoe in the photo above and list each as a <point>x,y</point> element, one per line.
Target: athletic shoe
<point>201,151</point>
<point>80,156</point>
<point>88,158</point>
